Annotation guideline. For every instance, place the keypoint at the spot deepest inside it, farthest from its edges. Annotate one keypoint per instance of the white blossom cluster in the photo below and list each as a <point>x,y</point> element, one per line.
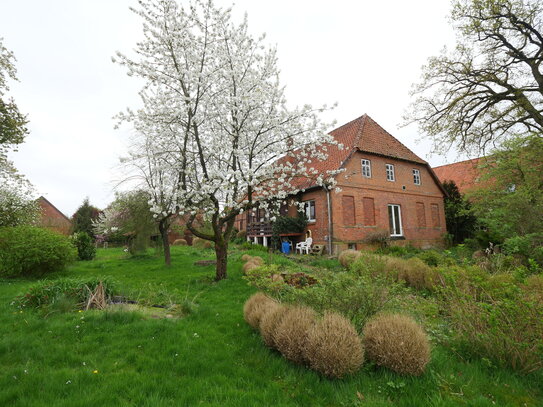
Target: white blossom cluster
<point>214,134</point>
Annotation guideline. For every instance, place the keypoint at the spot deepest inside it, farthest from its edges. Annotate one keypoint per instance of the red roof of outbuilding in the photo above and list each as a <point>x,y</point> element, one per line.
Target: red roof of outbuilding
<point>465,174</point>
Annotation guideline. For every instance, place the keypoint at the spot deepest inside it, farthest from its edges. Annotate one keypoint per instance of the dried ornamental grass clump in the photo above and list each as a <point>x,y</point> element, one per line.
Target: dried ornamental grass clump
<point>179,242</point>
<point>255,307</point>
<point>334,348</point>
<point>291,333</point>
<point>413,272</point>
<point>398,343</point>
<point>348,257</point>
<point>269,322</point>
<point>251,263</point>
<point>247,267</point>
<point>259,261</point>
<point>201,243</point>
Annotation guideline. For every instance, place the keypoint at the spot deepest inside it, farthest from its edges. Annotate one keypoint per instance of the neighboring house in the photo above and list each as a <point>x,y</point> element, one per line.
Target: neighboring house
<point>465,174</point>
<point>385,189</point>
<point>52,218</point>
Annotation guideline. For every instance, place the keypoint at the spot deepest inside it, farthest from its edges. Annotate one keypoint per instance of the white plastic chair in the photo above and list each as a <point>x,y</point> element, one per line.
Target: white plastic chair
<point>304,246</point>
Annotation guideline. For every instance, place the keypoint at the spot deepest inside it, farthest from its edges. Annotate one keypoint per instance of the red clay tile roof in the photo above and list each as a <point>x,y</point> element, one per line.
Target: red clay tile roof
<point>374,139</point>
<point>362,134</point>
<point>465,174</point>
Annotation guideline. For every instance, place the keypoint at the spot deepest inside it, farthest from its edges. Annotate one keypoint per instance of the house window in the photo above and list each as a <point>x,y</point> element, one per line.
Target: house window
<point>366,168</point>
<point>416,176</point>
<point>390,172</point>
<point>395,220</point>
<point>309,209</point>
<point>352,246</point>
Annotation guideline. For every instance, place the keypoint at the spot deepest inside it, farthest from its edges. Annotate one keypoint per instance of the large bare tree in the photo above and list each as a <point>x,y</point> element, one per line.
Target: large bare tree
<point>491,85</point>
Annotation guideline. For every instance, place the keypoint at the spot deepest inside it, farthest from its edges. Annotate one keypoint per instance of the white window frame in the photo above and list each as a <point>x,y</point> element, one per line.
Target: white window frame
<point>394,233</point>
<point>366,167</point>
<point>307,210</point>
<point>390,172</point>
<point>416,176</point>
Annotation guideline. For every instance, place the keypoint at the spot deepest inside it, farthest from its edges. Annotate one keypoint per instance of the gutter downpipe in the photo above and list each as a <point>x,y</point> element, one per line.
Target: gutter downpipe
<point>330,231</point>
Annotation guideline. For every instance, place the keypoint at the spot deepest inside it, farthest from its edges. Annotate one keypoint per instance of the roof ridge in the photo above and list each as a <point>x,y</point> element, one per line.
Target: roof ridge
<point>53,206</point>
<point>361,130</point>
<point>354,146</point>
<point>459,162</point>
<point>349,122</point>
<point>407,148</point>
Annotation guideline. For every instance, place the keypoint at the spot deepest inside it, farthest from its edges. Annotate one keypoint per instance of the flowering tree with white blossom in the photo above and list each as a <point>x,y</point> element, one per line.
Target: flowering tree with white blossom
<point>17,203</point>
<point>214,123</point>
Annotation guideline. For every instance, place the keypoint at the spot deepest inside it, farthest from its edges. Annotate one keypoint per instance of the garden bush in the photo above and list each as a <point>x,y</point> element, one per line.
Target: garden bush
<point>255,307</point>
<point>525,247</point>
<point>418,275</point>
<point>494,318</point>
<point>355,297</point>
<point>348,257</point>
<point>27,250</point>
<point>254,247</point>
<point>413,271</point>
<point>369,264</point>
<point>246,257</point>
<point>179,242</point>
<point>434,258</point>
<point>534,286</point>
<point>269,322</point>
<point>398,343</point>
<point>73,292</point>
<point>333,347</point>
<point>291,333</point>
<point>85,246</point>
<point>399,251</point>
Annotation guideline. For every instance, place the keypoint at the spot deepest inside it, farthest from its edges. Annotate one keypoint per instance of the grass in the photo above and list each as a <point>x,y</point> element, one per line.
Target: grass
<point>209,357</point>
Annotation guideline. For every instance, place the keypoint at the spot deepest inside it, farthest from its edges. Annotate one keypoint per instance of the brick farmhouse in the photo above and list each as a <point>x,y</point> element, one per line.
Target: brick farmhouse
<point>52,218</point>
<point>385,189</point>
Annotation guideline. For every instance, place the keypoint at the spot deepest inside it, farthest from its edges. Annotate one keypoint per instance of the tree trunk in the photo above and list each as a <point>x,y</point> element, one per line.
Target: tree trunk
<point>163,228</point>
<point>221,253</point>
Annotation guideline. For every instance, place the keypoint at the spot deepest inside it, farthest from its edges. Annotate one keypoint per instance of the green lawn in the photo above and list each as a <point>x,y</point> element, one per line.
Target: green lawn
<point>210,357</point>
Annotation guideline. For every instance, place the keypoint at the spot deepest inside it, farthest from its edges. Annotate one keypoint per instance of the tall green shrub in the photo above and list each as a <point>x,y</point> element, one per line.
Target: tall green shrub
<point>85,246</point>
<point>27,250</point>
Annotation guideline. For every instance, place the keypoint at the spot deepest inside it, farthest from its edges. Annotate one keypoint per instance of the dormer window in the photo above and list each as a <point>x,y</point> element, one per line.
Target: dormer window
<point>390,172</point>
<point>366,168</point>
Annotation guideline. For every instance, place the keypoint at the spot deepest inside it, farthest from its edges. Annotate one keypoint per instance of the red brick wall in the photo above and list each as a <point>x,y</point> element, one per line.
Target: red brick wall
<point>52,219</point>
<point>383,193</point>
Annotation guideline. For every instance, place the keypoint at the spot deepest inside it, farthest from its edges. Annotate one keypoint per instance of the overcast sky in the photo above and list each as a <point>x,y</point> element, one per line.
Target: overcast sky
<point>363,55</point>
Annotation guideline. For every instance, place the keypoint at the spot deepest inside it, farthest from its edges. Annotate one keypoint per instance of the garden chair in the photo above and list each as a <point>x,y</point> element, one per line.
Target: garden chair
<point>304,246</point>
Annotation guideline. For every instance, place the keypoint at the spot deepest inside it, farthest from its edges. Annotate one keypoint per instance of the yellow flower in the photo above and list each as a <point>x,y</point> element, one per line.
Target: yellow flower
<point>95,371</point>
